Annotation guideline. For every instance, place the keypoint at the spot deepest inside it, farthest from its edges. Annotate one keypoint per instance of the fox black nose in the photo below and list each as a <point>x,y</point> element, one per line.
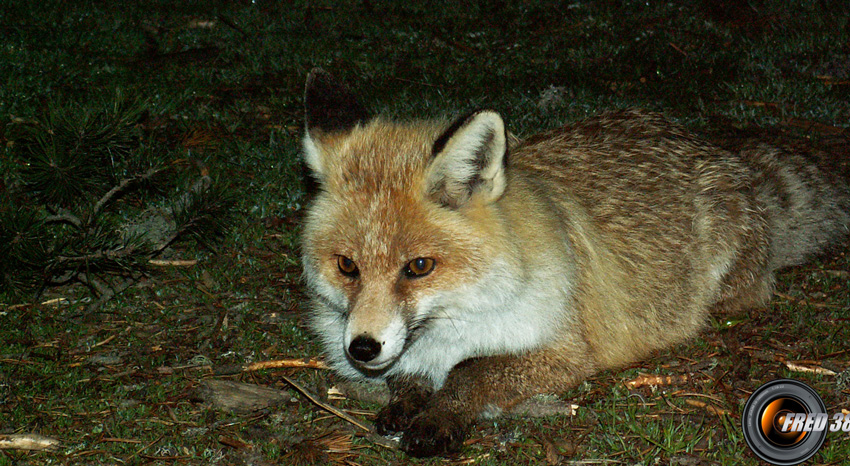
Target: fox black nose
<point>364,348</point>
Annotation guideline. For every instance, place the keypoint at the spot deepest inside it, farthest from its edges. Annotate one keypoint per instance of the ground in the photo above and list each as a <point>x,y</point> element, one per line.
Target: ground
<point>223,83</point>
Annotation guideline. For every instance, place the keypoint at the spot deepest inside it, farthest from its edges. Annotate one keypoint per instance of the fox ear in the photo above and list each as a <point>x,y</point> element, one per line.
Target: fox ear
<point>469,158</point>
<point>330,108</point>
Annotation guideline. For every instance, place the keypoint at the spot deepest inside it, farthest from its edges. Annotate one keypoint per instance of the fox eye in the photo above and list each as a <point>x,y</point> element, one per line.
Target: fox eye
<point>419,267</point>
<point>347,267</point>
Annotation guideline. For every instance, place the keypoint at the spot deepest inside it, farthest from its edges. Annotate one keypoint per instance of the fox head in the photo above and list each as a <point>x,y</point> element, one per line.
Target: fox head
<point>402,224</point>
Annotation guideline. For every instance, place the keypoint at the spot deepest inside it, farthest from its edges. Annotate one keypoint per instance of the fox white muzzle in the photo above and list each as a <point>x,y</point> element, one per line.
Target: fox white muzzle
<point>375,351</point>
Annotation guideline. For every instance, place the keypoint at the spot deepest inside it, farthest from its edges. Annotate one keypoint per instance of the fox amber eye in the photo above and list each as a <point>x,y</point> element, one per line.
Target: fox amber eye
<point>347,266</point>
<point>419,267</point>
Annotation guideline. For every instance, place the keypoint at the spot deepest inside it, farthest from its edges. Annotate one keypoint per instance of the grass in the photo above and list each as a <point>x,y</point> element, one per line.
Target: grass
<point>223,81</point>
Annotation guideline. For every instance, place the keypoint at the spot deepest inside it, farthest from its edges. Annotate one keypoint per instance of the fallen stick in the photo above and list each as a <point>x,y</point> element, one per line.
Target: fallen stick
<point>656,380</point>
<point>243,397</point>
<point>301,363</point>
<point>33,442</point>
<point>710,408</point>
<point>173,262</point>
<point>813,369</point>
<point>325,406</point>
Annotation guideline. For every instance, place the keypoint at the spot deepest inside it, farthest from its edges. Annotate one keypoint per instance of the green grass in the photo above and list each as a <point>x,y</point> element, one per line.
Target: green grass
<point>223,81</point>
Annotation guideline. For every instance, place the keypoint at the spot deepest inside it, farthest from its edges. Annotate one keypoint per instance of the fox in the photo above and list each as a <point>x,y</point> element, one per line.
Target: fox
<point>469,270</point>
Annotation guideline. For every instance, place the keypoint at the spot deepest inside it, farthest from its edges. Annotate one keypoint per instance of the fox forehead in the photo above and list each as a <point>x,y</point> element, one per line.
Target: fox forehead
<point>387,226</point>
<point>380,158</point>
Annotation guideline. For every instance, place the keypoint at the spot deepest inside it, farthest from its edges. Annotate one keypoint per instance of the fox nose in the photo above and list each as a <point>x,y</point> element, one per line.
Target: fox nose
<point>364,348</point>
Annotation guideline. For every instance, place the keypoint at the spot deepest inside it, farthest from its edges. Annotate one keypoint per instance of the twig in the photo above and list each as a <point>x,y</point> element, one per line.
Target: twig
<point>710,408</point>
<point>120,440</point>
<point>797,367</point>
<point>123,185</point>
<point>107,340</point>
<point>173,263</point>
<point>677,49</point>
<point>838,273</point>
<point>421,83</point>
<point>105,291</point>
<point>233,442</point>
<point>325,406</point>
<point>118,253</point>
<point>832,81</point>
<point>821,128</point>
<point>232,25</point>
<point>593,461</point>
<point>698,395</point>
<point>310,363</point>
<point>656,380</point>
<point>139,451</point>
<point>33,442</point>
<point>64,216</point>
<point>55,302</point>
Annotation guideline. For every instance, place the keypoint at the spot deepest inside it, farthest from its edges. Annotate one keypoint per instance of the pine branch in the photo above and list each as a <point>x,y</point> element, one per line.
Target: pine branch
<point>207,216</point>
<point>204,210</point>
<point>112,254</point>
<point>123,185</point>
<point>64,225</point>
<point>63,279</point>
<point>64,216</point>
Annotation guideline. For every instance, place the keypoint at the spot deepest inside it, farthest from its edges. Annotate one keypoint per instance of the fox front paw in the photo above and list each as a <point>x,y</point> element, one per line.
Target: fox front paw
<point>395,417</point>
<point>434,433</point>
<point>406,404</point>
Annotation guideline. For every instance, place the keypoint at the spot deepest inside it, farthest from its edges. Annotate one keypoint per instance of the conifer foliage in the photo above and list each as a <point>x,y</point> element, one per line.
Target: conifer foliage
<point>90,193</point>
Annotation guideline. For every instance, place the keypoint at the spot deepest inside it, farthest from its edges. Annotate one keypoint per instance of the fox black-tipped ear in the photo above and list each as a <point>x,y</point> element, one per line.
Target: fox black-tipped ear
<point>469,158</point>
<point>330,107</point>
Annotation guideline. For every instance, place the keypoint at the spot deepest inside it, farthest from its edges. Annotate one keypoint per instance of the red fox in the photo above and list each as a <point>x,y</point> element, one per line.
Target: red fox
<point>469,272</point>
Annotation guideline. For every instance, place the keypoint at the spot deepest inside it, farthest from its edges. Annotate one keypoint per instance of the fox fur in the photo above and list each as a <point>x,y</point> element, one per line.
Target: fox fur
<point>584,248</point>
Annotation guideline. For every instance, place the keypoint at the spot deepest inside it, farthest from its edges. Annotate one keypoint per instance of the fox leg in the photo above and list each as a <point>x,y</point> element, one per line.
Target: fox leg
<point>489,384</point>
<point>741,296</point>
<point>408,397</point>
